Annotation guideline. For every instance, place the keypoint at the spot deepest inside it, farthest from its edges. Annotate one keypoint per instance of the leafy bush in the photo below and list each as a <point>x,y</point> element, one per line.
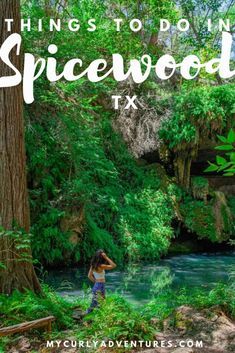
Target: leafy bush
<point>90,167</point>
<point>97,238</point>
<point>200,187</point>
<point>116,320</point>
<point>212,220</point>
<point>75,159</point>
<point>144,224</point>
<point>227,166</point>
<point>164,304</point>
<point>19,244</point>
<point>199,218</point>
<point>200,183</point>
<point>50,243</point>
<point>21,307</point>
<point>197,113</point>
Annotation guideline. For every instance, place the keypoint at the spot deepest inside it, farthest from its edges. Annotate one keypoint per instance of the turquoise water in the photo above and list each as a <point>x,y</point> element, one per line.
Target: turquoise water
<point>139,284</point>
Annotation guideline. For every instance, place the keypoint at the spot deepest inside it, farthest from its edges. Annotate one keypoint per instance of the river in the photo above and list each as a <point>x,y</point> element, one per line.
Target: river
<point>140,283</point>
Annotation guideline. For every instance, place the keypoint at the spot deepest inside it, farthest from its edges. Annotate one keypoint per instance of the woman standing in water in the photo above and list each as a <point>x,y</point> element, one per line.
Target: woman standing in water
<point>99,263</point>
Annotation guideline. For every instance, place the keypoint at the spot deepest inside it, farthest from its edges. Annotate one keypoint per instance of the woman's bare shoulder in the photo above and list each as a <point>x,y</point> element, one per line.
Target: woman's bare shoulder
<point>98,269</point>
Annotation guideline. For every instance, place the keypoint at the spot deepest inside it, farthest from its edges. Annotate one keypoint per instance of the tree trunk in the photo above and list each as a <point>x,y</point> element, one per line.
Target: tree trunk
<point>14,207</point>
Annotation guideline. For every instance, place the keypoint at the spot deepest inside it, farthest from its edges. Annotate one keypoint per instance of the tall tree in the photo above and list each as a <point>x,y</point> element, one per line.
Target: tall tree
<point>14,207</point>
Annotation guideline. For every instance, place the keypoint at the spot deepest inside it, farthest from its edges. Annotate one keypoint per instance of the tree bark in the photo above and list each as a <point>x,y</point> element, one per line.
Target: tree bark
<point>14,206</point>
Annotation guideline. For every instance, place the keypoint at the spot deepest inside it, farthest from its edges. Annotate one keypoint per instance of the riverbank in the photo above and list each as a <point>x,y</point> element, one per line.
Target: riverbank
<point>187,315</point>
<point>186,330</point>
<point>198,331</point>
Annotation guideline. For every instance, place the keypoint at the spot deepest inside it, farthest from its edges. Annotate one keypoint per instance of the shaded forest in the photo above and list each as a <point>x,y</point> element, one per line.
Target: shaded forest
<point>77,175</point>
<point>126,180</point>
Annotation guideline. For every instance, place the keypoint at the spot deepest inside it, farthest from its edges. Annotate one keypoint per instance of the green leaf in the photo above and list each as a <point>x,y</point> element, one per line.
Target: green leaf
<point>222,139</point>
<point>224,166</point>
<point>2,266</point>
<point>231,170</point>
<point>228,174</point>
<point>22,246</point>
<point>232,156</point>
<point>220,160</point>
<point>224,148</point>
<point>211,168</point>
<point>231,136</point>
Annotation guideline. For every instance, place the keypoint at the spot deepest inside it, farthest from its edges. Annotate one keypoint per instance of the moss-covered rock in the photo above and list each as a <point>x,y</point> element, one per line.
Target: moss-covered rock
<point>200,188</point>
<point>210,220</point>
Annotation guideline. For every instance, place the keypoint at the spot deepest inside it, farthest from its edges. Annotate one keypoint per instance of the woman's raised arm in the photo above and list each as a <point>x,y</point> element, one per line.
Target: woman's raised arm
<point>111,264</point>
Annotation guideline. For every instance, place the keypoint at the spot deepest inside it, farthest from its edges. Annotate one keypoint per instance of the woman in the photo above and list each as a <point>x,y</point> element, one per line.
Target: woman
<point>99,263</point>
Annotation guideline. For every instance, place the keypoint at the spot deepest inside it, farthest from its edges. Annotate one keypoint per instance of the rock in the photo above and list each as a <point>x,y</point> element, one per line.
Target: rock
<point>160,336</point>
<point>156,350</point>
<point>14,350</point>
<point>222,334</point>
<point>223,216</point>
<point>73,223</point>
<point>214,318</point>
<point>155,321</point>
<point>214,329</point>
<point>182,350</point>
<point>24,344</point>
<point>200,188</point>
<point>78,314</point>
<point>21,345</point>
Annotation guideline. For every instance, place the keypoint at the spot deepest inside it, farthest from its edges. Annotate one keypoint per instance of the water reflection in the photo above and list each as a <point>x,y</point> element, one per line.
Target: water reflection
<point>139,284</point>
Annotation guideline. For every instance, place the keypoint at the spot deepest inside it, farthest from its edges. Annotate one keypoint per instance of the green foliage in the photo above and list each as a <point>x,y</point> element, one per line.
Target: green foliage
<point>211,219</point>
<point>50,243</point>
<point>200,187</point>
<point>231,205</point>
<point>77,162</point>
<point>144,224</point>
<point>75,159</point>
<point>27,306</point>
<point>21,307</point>
<point>199,36</point>
<point>97,238</point>
<point>19,246</point>
<point>225,165</point>
<point>165,303</point>
<point>91,168</point>
<point>197,113</point>
<point>200,183</point>
<point>116,320</point>
<point>199,218</point>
